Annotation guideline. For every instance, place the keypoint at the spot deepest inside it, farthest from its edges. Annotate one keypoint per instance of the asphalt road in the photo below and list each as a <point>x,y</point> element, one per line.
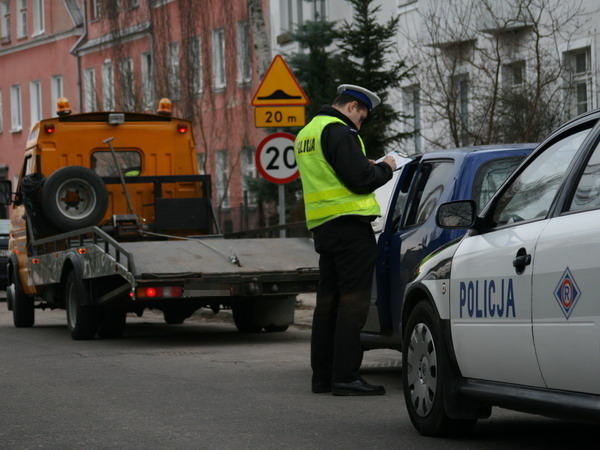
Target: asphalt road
<point>204,385</point>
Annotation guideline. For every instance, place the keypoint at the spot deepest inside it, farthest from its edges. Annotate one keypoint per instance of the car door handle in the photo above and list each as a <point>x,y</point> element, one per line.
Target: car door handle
<point>521,260</point>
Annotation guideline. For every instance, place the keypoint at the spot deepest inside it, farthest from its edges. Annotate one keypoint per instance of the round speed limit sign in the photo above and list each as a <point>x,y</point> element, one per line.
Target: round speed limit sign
<point>275,158</point>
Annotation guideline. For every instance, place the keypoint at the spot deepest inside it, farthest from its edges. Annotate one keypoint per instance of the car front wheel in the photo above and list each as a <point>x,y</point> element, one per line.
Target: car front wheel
<point>426,370</point>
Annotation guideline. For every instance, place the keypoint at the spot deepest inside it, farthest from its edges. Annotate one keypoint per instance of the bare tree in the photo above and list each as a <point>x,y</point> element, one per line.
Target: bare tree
<point>493,71</point>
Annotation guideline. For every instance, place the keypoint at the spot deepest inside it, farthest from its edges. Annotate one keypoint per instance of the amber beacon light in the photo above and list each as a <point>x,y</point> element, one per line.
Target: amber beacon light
<point>63,108</point>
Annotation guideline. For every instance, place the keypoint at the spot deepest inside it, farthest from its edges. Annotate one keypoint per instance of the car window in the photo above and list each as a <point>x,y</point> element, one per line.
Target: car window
<point>532,192</point>
<point>490,177</point>
<point>430,186</point>
<point>130,163</point>
<point>587,194</point>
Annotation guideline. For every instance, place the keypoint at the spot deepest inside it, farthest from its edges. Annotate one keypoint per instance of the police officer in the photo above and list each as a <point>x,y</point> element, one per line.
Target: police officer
<point>338,182</point>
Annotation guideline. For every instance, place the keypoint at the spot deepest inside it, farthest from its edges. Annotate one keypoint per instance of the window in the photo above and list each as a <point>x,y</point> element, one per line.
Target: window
<point>291,13</point>
<point>174,83</point>
<point>319,12</point>
<point>108,86</point>
<point>35,101</point>
<point>147,82</point>
<point>531,194</point>
<point>21,18</point>
<point>430,186</point>
<point>580,80</point>
<point>95,10</point>
<point>195,58</point>
<point>412,107</point>
<point>219,77</point>
<point>490,177</point>
<point>244,60</point>
<point>5,21</point>
<point>15,108</point>
<point>587,194</point>
<point>89,90</point>
<point>201,161</point>
<point>38,17</point>
<point>1,113</point>
<point>222,169</point>
<point>286,16</point>
<point>127,88</point>
<point>459,85</point>
<point>56,92</point>
<point>513,75</point>
<point>248,172</point>
<point>130,163</point>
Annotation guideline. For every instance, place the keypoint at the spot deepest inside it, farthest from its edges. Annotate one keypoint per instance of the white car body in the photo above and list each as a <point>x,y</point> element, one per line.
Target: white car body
<point>511,313</point>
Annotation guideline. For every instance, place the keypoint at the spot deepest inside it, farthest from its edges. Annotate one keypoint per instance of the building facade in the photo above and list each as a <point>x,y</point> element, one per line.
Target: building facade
<point>125,55</point>
<point>36,68</point>
<point>485,71</point>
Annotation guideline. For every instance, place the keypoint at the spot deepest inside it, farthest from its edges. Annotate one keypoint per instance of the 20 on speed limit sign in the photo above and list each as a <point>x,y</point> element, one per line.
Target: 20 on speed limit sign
<point>275,158</point>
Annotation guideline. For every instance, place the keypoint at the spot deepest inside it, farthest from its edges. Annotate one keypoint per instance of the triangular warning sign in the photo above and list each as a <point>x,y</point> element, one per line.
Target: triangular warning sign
<point>279,87</point>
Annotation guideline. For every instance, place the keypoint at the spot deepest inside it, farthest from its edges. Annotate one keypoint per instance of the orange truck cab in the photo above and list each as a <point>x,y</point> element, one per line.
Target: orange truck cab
<point>108,213</point>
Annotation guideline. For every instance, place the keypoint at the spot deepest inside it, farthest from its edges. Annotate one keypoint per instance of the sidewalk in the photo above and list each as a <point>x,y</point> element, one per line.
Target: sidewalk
<point>305,305</point>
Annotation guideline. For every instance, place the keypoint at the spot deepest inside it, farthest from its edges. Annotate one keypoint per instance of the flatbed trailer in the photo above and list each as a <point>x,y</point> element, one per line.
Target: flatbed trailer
<point>111,216</point>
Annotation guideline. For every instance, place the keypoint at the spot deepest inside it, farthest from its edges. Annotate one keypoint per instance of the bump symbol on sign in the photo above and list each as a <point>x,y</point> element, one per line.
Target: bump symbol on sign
<point>279,87</point>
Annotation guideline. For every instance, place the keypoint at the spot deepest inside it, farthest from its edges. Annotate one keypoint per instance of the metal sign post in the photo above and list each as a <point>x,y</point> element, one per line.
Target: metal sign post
<point>276,162</point>
<point>282,210</point>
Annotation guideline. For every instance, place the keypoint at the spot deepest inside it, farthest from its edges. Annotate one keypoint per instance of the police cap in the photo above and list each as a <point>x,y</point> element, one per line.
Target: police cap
<point>364,95</point>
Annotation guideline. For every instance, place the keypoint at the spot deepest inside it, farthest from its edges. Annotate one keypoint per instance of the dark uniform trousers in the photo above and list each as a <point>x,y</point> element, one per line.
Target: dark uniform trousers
<point>347,250</point>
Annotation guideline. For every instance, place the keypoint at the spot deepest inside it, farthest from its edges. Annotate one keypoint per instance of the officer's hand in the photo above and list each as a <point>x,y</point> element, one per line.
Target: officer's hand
<point>389,160</point>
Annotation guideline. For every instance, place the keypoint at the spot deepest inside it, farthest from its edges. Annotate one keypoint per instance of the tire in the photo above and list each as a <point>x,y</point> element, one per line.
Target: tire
<point>74,197</point>
<point>82,318</point>
<point>276,328</point>
<point>426,371</point>
<point>21,304</point>
<point>174,317</point>
<point>112,323</point>
<point>243,317</point>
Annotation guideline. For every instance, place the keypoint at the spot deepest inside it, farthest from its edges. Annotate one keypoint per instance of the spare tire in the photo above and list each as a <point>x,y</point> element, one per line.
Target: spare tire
<point>74,197</point>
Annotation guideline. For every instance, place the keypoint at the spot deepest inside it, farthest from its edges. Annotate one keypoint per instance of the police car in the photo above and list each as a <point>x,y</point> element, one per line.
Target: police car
<point>509,315</point>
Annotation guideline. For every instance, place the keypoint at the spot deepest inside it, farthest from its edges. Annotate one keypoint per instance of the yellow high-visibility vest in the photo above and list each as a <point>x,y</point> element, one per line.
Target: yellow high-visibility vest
<point>325,196</point>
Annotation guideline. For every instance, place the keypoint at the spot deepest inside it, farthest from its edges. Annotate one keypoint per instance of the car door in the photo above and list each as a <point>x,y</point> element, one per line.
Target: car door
<point>415,232</point>
<point>491,275</point>
<point>566,299</point>
<point>392,204</point>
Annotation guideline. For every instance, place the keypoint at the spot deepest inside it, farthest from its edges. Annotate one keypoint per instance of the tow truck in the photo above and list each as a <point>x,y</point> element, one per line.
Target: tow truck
<point>111,216</point>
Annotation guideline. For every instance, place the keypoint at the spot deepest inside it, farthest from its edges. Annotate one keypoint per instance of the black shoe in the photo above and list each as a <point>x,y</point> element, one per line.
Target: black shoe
<point>321,388</point>
<point>357,387</point>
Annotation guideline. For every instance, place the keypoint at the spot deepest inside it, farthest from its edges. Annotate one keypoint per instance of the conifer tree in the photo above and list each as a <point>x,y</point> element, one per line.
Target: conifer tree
<point>369,60</point>
<point>316,68</point>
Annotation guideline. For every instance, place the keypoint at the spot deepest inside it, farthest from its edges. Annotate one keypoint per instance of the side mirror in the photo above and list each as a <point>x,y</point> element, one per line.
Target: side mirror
<point>5,192</point>
<point>457,214</point>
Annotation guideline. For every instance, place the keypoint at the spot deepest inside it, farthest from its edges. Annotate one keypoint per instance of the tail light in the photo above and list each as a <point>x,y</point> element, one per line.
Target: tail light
<point>159,292</point>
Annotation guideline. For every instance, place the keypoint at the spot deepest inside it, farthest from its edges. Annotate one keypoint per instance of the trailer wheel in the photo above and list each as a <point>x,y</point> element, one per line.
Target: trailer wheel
<point>276,328</point>
<point>21,304</point>
<point>174,317</point>
<point>74,197</point>
<point>243,317</point>
<point>82,318</point>
<point>112,324</point>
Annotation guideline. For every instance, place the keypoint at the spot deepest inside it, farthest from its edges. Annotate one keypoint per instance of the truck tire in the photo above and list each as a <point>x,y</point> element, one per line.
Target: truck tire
<point>243,317</point>
<point>426,368</point>
<point>112,323</point>
<point>74,197</point>
<point>174,317</point>
<point>276,328</point>
<point>21,304</point>
<point>82,318</point>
